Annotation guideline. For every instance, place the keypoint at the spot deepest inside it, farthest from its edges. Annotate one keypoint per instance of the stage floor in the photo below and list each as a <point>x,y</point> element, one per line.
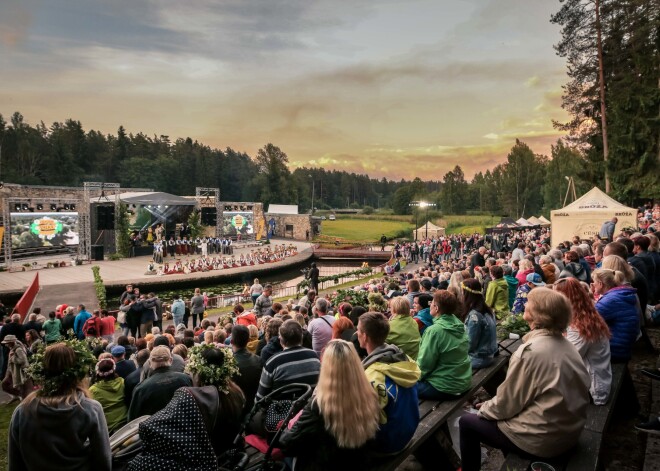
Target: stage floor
<point>132,270</point>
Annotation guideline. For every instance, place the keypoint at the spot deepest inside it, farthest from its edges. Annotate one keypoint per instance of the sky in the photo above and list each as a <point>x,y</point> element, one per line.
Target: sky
<point>396,89</point>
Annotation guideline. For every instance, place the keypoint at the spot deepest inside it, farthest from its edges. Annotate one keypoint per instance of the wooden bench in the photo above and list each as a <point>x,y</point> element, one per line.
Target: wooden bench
<point>434,414</point>
<point>585,455</point>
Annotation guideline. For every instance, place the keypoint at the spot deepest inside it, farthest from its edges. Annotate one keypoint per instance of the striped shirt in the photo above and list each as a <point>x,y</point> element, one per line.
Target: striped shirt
<point>293,365</point>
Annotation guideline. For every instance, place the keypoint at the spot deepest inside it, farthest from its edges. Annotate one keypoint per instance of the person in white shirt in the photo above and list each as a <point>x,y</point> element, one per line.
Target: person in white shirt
<point>518,253</point>
<point>321,326</point>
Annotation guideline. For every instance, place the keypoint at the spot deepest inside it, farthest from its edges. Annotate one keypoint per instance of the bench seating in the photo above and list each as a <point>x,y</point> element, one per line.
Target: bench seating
<point>434,414</point>
<point>585,455</point>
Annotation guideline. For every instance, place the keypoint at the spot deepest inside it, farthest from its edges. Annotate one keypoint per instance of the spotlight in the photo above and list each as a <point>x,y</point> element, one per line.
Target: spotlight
<point>66,207</point>
<point>40,207</point>
<point>73,207</point>
<point>25,207</point>
<point>53,207</point>
<point>17,207</point>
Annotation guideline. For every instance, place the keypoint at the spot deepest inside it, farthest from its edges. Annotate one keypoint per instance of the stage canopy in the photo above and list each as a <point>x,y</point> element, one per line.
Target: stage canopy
<point>433,231</point>
<point>586,215</point>
<point>155,198</point>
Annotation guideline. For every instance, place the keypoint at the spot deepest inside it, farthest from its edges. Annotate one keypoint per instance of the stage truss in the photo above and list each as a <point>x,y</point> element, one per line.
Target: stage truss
<point>85,246</point>
<point>203,198</point>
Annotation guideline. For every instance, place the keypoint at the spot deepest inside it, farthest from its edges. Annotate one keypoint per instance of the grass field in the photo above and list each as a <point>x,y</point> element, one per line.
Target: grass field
<point>364,230</point>
<point>369,228</point>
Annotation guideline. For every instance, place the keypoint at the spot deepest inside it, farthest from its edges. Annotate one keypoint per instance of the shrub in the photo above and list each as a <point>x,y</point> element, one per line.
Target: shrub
<point>368,210</point>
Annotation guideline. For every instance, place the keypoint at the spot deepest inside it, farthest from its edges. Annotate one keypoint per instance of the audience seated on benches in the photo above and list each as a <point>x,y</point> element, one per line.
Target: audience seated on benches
<point>540,408</point>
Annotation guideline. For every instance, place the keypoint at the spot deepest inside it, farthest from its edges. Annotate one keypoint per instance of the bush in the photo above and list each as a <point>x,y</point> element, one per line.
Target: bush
<point>368,210</point>
<point>99,287</point>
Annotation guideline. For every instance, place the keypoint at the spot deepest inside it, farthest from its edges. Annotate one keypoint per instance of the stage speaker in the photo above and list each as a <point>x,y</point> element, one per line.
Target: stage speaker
<point>209,216</point>
<point>97,252</point>
<point>105,218</point>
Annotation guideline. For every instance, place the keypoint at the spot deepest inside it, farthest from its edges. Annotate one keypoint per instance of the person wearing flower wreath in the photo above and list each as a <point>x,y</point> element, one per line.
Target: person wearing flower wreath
<point>200,422</point>
<point>72,434</point>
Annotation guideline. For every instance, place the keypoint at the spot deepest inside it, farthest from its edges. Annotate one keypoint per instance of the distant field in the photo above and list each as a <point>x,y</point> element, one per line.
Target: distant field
<point>369,228</point>
<point>363,230</point>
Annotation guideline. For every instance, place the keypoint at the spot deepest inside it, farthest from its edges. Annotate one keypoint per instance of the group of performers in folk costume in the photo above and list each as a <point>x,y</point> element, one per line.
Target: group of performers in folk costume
<point>184,246</point>
<point>206,263</point>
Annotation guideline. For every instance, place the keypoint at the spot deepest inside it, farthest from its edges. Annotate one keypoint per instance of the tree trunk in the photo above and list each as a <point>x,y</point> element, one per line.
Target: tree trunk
<point>601,86</point>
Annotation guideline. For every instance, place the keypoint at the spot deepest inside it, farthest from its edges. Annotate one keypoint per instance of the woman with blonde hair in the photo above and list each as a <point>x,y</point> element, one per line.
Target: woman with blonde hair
<point>525,268</point>
<point>590,335</point>
<point>253,343</point>
<point>455,285</point>
<point>618,305</point>
<point>72,432</point>
<point>404,332</point>
<point>339,420</point>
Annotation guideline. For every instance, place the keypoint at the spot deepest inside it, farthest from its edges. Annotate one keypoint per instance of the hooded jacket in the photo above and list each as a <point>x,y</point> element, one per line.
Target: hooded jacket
<point>619,309</point>
<point>68,438</point>
<point>110,395</point>
<point>497,296</point>
<point>404,333</point>
<point>394,376</point>
<point>424,319</point>
<point>443,356</point>
<point>512,282</point>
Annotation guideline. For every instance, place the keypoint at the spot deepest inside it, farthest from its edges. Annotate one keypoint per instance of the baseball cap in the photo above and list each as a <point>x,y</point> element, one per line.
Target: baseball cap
<point>535,279</point>
<point>117,351</point>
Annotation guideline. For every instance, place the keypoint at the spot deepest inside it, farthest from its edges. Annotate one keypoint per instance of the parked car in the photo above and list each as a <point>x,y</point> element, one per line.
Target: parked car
<point>332,217</point>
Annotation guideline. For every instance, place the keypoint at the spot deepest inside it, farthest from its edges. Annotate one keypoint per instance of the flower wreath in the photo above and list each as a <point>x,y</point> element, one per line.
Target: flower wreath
<point>52,384</point>
<point>216,375</point>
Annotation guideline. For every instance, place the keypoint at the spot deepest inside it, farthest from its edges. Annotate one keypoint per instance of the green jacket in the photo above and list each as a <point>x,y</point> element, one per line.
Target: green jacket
<point>404,333</point>
<point>111,396</point>
<point>497,296</point>
<point>443,355</point>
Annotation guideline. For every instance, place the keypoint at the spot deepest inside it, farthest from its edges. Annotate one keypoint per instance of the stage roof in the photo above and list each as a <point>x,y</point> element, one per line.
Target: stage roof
<point>155,198</point>
<point>282,209</point>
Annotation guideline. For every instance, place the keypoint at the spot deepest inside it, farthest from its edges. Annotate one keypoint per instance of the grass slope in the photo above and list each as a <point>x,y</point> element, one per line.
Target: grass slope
<point>6,410</point>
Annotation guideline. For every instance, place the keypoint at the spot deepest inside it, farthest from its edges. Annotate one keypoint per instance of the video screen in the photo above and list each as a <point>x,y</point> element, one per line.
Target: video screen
<point>33,230</point>
<point>237,222</point>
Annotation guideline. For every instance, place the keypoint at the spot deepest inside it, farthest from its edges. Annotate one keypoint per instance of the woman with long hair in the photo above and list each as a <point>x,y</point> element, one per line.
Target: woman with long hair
<point>480,325</point>
<point>343,329</point>
<point>72,433</point>
<point>455,285</point>
<point>200,422</point>
<point>618,305</point>
<point>590,335</point>
<point>339,420</point>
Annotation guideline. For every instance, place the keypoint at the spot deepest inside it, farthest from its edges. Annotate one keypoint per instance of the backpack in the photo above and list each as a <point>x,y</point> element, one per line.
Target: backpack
<point>92,327</point>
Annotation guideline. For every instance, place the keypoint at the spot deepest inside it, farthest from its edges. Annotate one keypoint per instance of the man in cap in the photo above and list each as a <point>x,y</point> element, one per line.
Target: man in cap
<point>155,392</point>
<point>533,280</point>
<point>123,367</point>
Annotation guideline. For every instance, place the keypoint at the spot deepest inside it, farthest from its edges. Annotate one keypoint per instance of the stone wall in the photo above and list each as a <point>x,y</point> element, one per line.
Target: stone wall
<point>300,225</point>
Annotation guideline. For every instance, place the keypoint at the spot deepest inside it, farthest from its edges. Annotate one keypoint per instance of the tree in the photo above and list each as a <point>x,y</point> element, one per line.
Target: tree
<point>565,162</point>
<point>454,193</point>
<point>522,179</point>
<point>272,182</point>
<point>123,233</point>
<point>626,74</point>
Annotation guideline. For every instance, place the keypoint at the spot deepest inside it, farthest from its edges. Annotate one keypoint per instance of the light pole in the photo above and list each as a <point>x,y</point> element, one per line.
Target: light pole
<point>426,205</point>
<point>415,203</point>
<point>312,194</point>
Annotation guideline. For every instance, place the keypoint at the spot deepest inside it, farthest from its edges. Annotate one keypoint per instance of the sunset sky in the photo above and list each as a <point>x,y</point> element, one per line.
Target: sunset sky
<point>390,88</point>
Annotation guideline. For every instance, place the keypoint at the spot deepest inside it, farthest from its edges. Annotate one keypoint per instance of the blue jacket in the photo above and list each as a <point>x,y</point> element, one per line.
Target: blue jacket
<point>619,309</point>
<point>424,316</point>
<point>482,334</point>
<point>79,322</point>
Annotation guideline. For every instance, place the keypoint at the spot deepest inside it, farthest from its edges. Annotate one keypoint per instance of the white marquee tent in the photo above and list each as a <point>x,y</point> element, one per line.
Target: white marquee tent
<point>433,231</point>
<point>586,215</point>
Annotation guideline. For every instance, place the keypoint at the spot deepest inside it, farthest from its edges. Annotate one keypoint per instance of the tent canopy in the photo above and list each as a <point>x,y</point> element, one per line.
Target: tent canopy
<point>523,222</point>
<point>543,221</point>
<point>155,198</point>
<point>433,231</point>
<point>282,209</point>
<point>534,221</point>
<point>585,216</point>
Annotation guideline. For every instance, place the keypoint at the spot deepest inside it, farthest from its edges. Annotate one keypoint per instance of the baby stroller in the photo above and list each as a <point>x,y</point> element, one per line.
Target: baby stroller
<point>277,408</point>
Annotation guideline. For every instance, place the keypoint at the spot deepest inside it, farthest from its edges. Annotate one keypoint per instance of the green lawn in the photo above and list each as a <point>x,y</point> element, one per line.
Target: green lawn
<point>364,230</point>
<point>6,411</point>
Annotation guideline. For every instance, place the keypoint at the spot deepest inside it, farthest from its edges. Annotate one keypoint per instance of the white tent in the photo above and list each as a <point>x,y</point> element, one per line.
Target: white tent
<point>534,221</point>
<point>433,231</point>
<point>523,222</point>
<point>544,221</point>
<point>586,215</point>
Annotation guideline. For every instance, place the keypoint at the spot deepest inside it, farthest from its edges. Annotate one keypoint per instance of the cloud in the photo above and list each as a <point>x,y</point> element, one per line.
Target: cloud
<point>533,81</point>
<point>15,21</point>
